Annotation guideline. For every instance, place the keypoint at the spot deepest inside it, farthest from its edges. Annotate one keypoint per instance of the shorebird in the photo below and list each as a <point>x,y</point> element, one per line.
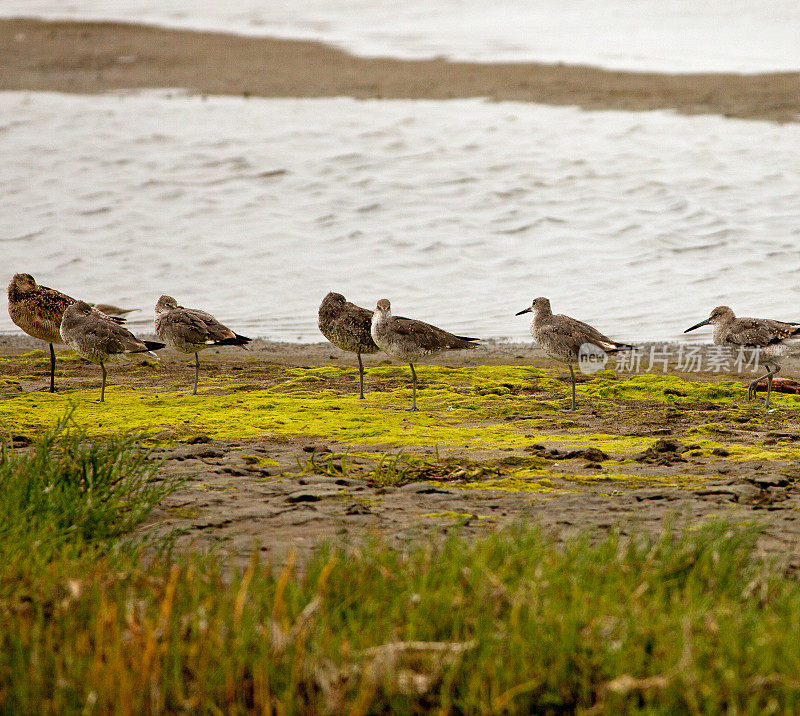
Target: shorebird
<point>111,310</point>
<point>408,340</point>
<point>566,339</point>
<point>774,340</point>
<point>97,337</point>
<point>348,327</point>
<point>190,330</point>
<point>38,311</point>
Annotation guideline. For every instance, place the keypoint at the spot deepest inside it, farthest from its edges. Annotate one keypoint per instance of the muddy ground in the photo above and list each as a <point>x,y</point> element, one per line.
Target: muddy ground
<point>292,492</point>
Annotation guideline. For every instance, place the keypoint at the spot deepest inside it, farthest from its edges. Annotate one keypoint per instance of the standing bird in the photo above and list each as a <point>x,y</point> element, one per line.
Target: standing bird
<point>775,340</point>
<point>190,330</point>
<point>348,327</point>
<point>38,311</point>
<point>565,338</point>
<point>407,340</point>
<point>97,337</point>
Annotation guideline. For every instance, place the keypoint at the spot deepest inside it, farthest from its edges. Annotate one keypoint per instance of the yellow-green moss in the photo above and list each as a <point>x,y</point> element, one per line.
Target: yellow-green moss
<point>682,480</point>
<point>288,408</point>
<point>286,402</point>
<point>513,484</point>
<point>184,513</point>
<point>672,389</point>
<point>455,516</point>
<point>40,357</point>
<point>705,429</point>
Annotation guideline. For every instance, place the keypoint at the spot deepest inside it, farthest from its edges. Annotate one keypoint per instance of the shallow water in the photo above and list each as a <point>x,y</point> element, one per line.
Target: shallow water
<point>662,35</point>
<point>460,212</point>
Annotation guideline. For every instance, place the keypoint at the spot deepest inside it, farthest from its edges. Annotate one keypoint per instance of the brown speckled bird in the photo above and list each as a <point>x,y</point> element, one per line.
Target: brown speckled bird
<point>347,326</point>
<point>38,311</point>
<point>409,340</point>
<point>563,337</point>
<point>97,337</point>
<point>190,330</point>
<point>775,340</point>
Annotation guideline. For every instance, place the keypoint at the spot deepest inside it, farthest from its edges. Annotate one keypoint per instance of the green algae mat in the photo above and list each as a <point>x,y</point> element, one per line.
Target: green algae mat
<point>482,411</point>
<point>469,407</point>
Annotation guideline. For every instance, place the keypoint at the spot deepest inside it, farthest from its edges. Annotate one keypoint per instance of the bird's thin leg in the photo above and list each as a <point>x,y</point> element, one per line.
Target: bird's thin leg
<point>769,389</point>
<point>769,385</point>
<point>572,373</point>
<point>413,388</point>
<point>103,386</point>
<point>751,389</point>
<point>52,369</point>
<point>360,377</point>
<point>196,371</point>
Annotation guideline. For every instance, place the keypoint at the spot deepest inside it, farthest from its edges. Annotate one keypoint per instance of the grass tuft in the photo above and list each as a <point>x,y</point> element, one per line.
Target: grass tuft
<point>396,469</point>
<point>68,487</point>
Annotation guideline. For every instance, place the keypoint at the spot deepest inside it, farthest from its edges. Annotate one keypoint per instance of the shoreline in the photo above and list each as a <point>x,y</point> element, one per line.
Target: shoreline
<point>97,57</point>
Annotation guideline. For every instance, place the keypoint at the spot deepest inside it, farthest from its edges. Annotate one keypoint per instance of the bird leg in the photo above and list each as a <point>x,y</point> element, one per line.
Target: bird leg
<point>52,369</point>
<point>769,388</point>
<point>196,371</point>
<point>103,386</point>
<point>413,388</point>
<point>769,385</point>
<point>751,389</point>
<point>360,377</point>
<point>572,373</point>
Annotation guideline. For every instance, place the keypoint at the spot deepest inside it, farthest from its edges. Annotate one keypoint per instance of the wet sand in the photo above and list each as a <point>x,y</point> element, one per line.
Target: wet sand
<point>277,493</point>
<point>92,57</point>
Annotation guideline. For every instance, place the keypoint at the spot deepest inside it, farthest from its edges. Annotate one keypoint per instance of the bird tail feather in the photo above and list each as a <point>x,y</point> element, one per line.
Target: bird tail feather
<point>237,340</point>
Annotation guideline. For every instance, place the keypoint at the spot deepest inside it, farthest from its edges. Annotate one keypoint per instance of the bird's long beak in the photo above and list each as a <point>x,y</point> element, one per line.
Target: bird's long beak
<point>524,310</point>
<point>697,325</point>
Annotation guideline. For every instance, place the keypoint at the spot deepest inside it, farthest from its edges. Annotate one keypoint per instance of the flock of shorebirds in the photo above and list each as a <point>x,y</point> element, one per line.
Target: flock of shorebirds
<point>96,333</point>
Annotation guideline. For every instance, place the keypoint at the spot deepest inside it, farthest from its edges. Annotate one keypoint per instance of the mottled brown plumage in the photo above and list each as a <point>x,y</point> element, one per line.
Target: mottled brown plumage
<point>409,340</point>
<point>775,340</point>
<point>190,330</point>
<point>347,326</point>
<point>562,337</point>
<point>97,337</point>
<point>36,309</point>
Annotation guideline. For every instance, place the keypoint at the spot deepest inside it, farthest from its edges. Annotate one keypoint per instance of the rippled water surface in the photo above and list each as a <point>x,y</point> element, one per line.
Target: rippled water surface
<point>663,35</point>
<point>460,212</point>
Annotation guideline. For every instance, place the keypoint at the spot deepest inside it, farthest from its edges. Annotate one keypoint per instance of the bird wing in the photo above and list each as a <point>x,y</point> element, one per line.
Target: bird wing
<point>760,331</point>
<point>428,337</point>
<point>199,327</point>
<point>574,333</point>
<point>113,337</point>
<point>57,295</point>
<point>51,304</point>
<point>116,319</point>
<point>358,322</point>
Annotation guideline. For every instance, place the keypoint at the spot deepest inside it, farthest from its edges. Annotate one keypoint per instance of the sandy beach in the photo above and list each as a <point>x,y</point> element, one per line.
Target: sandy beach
<point>92,57</point>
